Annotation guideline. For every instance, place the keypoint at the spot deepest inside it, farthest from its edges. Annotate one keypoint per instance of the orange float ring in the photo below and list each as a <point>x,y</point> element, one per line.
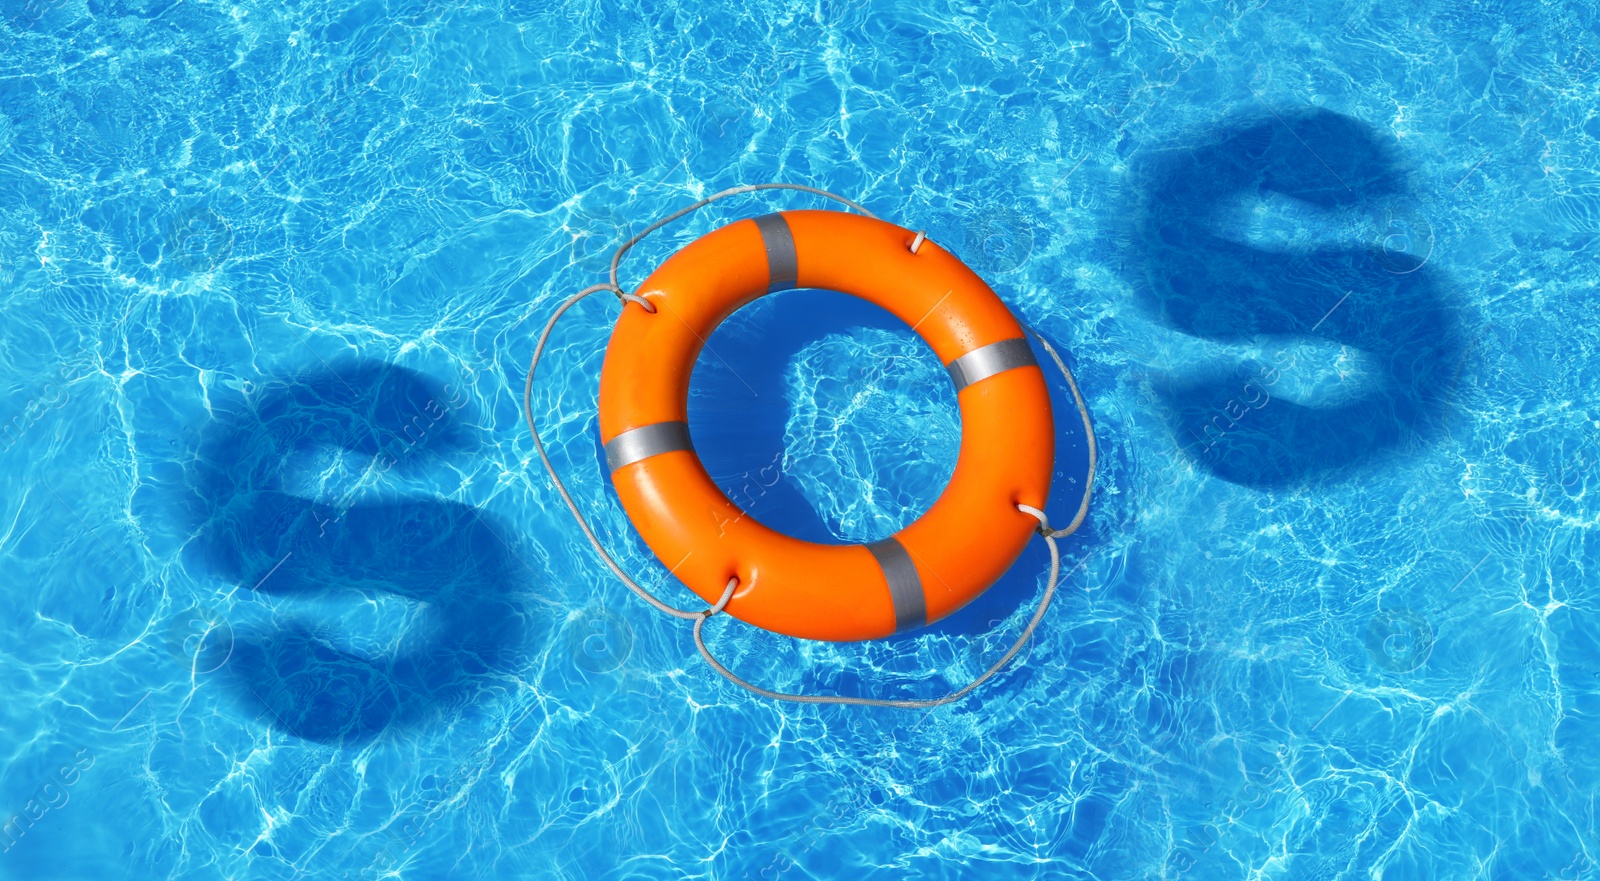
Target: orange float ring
<point>950,555</point>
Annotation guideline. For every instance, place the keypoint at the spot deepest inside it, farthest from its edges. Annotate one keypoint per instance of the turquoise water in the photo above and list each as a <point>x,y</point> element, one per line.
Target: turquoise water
<point>290,596</point>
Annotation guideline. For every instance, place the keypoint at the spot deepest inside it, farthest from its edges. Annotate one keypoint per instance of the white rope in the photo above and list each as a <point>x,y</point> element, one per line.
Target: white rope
<point>527,406</point>
<point>1088,432</point>
<point>699,618</point>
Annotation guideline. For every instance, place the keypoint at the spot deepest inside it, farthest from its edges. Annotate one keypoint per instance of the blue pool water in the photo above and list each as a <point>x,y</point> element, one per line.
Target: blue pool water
<point>289,595</point>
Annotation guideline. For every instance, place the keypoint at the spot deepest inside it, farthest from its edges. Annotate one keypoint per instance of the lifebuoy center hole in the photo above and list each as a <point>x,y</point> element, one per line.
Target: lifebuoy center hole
<point>824,417</point>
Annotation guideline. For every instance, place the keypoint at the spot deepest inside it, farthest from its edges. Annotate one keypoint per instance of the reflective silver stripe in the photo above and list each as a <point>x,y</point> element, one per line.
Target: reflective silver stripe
<point>783,265</point>
<point>905,586</point>
<point>642,443</point>
<point>984,362</point>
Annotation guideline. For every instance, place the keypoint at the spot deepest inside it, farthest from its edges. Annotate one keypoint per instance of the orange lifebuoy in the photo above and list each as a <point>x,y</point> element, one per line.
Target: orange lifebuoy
<point>936,565</point>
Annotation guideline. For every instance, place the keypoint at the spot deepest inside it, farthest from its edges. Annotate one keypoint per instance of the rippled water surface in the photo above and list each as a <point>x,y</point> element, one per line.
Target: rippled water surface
<point>290,596</point>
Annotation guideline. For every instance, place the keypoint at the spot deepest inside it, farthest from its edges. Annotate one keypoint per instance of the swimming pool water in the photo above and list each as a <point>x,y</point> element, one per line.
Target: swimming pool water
<point>290,596</point>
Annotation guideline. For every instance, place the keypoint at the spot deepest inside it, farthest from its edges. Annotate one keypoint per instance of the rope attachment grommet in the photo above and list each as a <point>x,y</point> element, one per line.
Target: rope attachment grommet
<point>1035,513</point>
<point>922,236</point>
<point>727,594</point>
<point>635,298</point>
<point>1044,522</point>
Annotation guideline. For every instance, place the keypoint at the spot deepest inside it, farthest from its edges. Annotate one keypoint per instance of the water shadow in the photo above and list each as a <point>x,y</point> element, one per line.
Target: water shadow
<point>1295,226</point>
<point>403,606</point>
